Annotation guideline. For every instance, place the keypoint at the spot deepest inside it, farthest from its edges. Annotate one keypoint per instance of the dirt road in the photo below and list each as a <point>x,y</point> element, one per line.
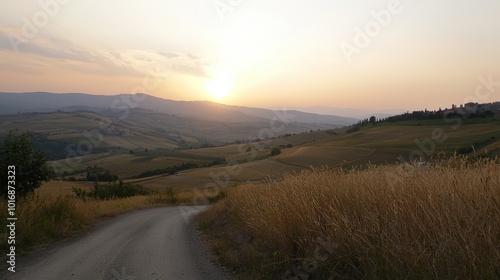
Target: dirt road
<point>159,243</point>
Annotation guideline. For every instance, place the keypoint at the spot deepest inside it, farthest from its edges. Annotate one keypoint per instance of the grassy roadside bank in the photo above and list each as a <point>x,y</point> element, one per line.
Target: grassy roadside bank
<point>383,222</point>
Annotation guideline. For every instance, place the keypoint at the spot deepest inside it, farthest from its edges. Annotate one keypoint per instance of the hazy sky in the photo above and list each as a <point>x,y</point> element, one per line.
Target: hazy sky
<point>376,54</point>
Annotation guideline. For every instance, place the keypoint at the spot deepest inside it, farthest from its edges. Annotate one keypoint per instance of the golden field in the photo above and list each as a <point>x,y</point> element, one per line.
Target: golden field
<point>385,222</point>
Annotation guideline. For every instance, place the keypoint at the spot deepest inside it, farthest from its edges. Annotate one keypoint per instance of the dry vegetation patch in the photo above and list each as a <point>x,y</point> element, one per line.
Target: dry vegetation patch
<point>440,221</point>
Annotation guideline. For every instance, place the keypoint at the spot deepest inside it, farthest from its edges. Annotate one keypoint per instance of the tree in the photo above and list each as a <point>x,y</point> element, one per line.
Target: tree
<point>372,119</point>
<point>275,151</point>
<point>31,168</point>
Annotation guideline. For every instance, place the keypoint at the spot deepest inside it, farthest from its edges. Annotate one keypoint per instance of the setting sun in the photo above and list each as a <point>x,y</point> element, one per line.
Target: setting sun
<point>220,86</point>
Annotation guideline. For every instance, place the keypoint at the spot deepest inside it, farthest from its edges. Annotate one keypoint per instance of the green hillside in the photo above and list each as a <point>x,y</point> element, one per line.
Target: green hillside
<point>387,143</point>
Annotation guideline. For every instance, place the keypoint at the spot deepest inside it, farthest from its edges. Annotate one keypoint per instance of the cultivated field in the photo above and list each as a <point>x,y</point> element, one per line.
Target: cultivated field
<point>380,144</point>
<point>148,144</point>
<point>220,176</point>
<point>401,135</point>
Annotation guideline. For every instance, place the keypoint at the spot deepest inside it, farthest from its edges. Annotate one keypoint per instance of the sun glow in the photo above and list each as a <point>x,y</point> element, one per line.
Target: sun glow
<point>220,86</point>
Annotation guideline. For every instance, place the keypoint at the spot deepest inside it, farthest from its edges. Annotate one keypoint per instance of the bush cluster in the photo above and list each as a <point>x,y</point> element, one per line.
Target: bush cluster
<point>110,191</point>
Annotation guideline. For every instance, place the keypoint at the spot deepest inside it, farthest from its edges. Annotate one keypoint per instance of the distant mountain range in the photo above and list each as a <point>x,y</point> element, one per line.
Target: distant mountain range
<point>13,103</point>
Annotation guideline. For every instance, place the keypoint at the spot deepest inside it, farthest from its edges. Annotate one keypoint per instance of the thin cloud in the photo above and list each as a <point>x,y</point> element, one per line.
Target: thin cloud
<point>111,63</point>
<point>168,54</point>
<point>45,47</point>
<point>192,56</point>
<point>182,63</point>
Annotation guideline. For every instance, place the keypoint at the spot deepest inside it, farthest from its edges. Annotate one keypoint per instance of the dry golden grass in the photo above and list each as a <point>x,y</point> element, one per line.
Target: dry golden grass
<point>61,188</point>
<point>387,222</point>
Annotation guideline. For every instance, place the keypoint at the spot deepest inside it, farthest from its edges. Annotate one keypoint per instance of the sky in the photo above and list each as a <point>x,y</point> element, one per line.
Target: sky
<point>370,54</point>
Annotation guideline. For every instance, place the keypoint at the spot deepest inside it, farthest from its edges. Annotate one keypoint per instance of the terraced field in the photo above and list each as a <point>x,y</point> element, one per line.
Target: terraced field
<point>126,165</point>
<point>380,144</point>
<point>220,176</point>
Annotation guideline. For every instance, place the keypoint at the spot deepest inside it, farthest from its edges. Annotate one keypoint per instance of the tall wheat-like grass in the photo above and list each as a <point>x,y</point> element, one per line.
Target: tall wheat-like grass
<point>383,222</point>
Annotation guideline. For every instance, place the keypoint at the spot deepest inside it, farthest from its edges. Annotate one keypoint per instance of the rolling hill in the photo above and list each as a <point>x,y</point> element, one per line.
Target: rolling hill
<point>387,143</point>
<point>141,129</point>
<point>143,143</point>
<point>12,103</point>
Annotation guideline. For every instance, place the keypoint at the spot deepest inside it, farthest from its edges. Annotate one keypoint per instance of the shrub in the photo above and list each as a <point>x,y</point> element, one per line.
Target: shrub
<point>174,169</point>
<point>353,128</point>
<point>113,190</point>
<point>95,173</point>
<point>275,151</point>
<point>172,195</point>
<point>219,196</point>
